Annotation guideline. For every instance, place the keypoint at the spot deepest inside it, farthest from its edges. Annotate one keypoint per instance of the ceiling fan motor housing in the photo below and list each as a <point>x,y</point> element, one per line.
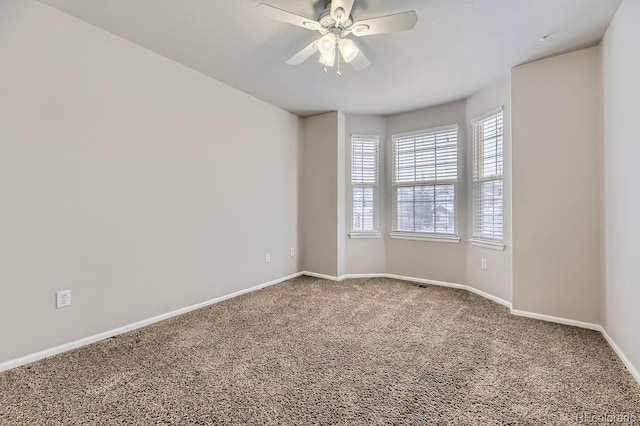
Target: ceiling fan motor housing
<point>329,21</point>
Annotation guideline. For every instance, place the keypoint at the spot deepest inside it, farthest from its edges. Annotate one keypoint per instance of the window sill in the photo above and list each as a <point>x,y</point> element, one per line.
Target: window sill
<point>364,235</point>
<point>425,237</point>
<point>492,245</point>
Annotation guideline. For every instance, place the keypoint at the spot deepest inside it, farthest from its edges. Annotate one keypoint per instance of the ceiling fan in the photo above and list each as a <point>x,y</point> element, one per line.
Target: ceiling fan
<point>335,24</point>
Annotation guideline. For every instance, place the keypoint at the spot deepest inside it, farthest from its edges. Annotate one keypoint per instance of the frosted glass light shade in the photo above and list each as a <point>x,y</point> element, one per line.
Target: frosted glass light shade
<point>348,49</point>
<point>327,43</point>
<point>328,59</point>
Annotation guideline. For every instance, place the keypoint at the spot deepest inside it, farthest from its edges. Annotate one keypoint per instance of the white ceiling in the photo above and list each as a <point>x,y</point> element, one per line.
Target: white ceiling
<point>457,47</point>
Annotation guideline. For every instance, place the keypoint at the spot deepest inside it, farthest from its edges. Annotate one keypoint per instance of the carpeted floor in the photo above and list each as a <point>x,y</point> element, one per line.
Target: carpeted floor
<point>311,351</point>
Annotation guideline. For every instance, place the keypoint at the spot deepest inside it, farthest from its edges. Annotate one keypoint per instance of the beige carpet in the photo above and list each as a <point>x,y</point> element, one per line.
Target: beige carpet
<point>310,351</point>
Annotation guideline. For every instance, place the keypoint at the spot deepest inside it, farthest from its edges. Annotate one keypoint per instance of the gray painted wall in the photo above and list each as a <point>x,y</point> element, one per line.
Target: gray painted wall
<point>321,198</point>
<point>556,206</point>
<point>496,279</point>
<point>125,178</point>
<point>341,154</point>
<point>621,89</point>
<point>422,259</point>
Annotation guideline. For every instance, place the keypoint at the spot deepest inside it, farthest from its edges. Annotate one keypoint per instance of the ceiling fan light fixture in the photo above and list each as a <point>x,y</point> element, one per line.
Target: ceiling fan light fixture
<point>328,59</point>
<point>327,44</point>
<point>348,49</point>
<point>335,23</point>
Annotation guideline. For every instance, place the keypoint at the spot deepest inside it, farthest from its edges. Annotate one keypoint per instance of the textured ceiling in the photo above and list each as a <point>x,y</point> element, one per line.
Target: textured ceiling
<point>457,47</point>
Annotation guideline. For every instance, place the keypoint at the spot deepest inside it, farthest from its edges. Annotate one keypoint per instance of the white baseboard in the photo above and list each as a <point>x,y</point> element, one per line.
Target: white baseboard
<point>27,359</point>
<point>627,363</point>
<point>632,369</point>
<point>323,276</point>
<point>377,275</point>
<point>425,281</point>
<point>490,297</point>
<point>558,320</point>
<point>498,300</point>
<point>454,285</point>
<point>549,318</point>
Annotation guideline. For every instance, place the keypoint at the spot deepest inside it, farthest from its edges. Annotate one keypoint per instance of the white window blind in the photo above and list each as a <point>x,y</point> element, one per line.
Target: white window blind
<point>364,182</point>
<point>425,175</point>
<point>488,158</point>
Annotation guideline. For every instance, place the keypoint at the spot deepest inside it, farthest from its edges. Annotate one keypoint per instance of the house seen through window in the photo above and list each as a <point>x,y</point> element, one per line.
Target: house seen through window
<point>425,176</point>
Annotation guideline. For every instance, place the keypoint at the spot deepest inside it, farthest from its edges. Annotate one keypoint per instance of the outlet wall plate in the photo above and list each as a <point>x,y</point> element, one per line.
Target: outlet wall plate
<point>63,298</point>
<point>267,257</point>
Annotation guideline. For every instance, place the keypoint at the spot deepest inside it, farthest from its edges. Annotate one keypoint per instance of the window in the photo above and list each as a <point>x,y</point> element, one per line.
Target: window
<point>425,175</point>
<point>364,182</point>
<point>488,179</point>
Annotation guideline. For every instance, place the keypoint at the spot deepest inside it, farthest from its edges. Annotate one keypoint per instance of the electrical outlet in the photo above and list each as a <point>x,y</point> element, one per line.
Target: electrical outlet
<point>293,252</point>
<point>267,257</point>
<point>483,264</point>
<point>63,298</point>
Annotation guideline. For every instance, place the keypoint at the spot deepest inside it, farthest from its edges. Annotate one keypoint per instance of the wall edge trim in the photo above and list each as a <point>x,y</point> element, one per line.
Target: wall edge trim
<point>432,282</point>
<point>36,356</point>
<point>627,363</point>
<point>548,318</point>
<point>45,353</point>
<point>323,276</point>
<point>558,320</point>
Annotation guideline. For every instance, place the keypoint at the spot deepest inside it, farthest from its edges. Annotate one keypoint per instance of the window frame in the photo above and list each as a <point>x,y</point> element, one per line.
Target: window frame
<point>478,239</point>
<point>375,232</point>
<point>417,235</point>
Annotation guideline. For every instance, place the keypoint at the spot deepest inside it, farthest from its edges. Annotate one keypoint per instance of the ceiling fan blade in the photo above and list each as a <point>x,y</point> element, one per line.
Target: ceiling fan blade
<point>345,5</point>
<point>360,62</point>
<point>385,24</point>
<point>304,54</point>
<point>288,17</point>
